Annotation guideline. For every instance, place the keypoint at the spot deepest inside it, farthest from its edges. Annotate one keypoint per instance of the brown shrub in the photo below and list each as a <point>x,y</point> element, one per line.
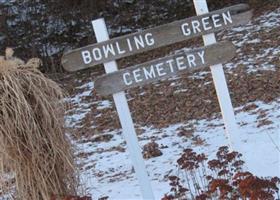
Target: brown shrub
<point>33,146</point>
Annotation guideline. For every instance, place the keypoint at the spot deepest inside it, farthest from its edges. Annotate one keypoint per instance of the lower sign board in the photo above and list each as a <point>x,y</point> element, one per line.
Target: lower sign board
<point>161,68</point>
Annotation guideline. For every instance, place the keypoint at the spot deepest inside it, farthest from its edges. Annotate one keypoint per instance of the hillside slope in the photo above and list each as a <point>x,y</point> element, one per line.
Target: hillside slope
<point>183,112</point>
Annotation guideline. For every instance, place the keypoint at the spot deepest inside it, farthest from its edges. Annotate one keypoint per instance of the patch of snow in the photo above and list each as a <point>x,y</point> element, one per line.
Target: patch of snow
<point>88,86</point>
<point>257,40</point>
<point>111,171</point>
<point>73,120</point>
<point>104,104</point>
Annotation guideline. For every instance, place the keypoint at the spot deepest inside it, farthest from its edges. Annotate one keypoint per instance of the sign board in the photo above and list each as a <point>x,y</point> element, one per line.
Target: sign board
<point>156,37</point>
<point>161,68</point>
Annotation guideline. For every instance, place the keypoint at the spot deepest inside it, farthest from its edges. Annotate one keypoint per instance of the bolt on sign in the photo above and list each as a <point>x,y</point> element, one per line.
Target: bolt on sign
<point>107,50</point>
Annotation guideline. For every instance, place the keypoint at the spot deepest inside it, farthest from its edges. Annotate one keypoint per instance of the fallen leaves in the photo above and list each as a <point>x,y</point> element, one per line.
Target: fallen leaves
<point>151,150</point>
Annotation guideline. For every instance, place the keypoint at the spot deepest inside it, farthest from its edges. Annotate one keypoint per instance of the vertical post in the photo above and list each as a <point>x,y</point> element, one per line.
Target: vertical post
<point>219,81</point>
<point>129,133</point>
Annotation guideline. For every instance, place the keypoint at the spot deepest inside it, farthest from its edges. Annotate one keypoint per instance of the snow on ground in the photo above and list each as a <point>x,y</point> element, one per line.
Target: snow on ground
<point>106,167</point>
<point>108,171</point>
<point>256,36</point>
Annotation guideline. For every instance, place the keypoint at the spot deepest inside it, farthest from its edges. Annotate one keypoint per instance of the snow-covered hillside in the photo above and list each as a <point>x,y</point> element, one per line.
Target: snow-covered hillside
<point>106,169</point>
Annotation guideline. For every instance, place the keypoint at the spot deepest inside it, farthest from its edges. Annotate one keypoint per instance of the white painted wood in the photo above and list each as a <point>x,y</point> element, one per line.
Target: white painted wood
<point>128,129</point>
<point>219,79</point>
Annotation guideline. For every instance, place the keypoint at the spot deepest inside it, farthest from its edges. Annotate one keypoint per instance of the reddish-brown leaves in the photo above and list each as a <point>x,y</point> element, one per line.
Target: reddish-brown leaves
<point>227,181</point>
<point>255,188</point>
<point>189,160</point>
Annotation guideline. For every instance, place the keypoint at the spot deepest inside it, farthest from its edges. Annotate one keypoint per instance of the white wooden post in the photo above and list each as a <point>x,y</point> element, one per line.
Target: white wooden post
<point>219,81</point>
<point>129,133</point>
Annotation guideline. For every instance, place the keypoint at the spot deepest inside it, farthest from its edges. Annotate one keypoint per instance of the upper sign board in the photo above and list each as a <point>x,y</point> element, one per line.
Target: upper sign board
<point>156,37</point>
<point>161,68</point>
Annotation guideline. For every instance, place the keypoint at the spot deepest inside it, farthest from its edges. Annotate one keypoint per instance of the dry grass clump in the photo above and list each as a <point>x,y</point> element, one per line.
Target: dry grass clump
<point>33,146</point>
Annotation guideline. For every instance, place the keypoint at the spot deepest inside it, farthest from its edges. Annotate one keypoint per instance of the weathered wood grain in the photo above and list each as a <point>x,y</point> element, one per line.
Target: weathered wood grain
<point>155,70</point>
<point>155,37</point>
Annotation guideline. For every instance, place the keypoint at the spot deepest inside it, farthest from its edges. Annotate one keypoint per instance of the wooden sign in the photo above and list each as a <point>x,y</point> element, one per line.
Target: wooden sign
<point>156,37</point>
<point>161,68</point>
<point>106,51</point>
